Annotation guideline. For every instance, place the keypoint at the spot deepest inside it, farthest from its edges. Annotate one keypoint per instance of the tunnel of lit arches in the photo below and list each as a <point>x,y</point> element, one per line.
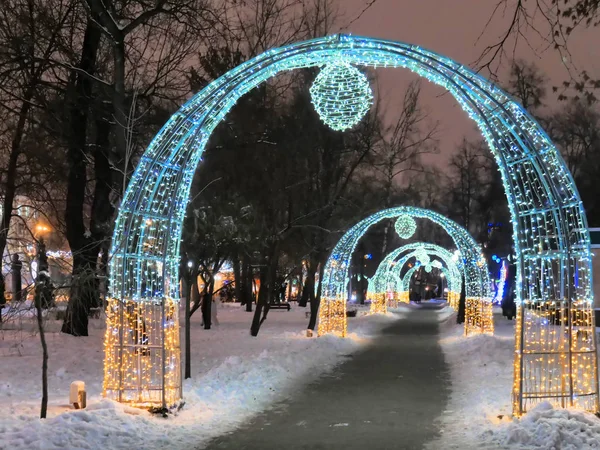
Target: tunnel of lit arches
<point>332,314</point>
<point>550,234</point>
<point>389,286</point>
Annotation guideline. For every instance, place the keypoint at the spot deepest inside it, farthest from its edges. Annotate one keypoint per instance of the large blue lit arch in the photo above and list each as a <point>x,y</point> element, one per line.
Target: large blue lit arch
<point>551,240</point>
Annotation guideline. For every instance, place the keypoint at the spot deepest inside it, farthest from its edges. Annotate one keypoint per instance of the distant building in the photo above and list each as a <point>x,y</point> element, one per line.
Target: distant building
<point>28,224</point>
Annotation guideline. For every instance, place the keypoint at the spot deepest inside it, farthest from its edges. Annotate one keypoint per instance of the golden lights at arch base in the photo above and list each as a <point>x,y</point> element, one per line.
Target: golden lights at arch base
<point>332,317</point>
<point>479,317</point>
<point>555,358</point>
<point>148,352</point>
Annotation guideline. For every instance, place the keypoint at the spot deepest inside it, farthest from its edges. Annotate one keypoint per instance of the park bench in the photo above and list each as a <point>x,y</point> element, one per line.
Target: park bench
<point>280,305</point>
<point>349,313</point>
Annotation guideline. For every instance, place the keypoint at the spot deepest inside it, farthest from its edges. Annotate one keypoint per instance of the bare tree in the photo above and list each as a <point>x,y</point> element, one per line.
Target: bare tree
<point>467,182</point>
<point>30,34</point>
<point>401,147</point>
<point>575,128</point>
<point>131,66</point>
<point>553,22</point>
<point>526,83</point>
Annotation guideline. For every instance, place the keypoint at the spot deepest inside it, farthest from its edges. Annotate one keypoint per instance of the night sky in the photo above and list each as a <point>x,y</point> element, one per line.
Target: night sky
<point>452,27</point>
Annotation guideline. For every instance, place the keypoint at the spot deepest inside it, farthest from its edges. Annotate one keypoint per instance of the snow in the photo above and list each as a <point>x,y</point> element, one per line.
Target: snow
<point>479,413</point>
<point>234,376</point>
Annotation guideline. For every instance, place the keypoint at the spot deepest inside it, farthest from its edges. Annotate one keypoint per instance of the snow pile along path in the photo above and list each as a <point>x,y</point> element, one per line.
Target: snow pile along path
<point>233,377</point>
<point>479,415</point>
<point>547,428</point>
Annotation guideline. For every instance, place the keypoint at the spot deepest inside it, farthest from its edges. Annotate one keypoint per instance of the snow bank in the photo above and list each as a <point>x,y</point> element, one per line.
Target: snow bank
<point>234,376</point>
<point>478,415</point>
<point>547,428</point>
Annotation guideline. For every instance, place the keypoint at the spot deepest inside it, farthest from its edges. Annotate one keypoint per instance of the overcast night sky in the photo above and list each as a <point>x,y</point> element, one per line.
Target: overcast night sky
<point>452,27</point>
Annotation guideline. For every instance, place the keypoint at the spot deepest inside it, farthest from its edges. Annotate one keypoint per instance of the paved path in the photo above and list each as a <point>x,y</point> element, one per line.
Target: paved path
<point>387,396</point>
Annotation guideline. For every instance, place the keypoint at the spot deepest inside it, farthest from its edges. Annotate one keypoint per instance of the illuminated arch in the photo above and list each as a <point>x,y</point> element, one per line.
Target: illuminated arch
<point>450,272</point>
<point>453,283</point>
<point>453,287</point>
<point>478,319</point>
<point>551,239</point>
<point>386,286</point>
<point>391,264</point>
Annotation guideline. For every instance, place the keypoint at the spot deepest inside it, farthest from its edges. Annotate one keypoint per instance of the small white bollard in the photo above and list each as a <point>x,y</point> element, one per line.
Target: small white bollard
<point>77,394</point>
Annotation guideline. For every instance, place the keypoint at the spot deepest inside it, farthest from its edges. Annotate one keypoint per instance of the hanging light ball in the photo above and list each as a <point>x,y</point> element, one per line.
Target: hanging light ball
<point>341,95</point>
<point>436,264</point>
<point>405,226</point>
<point>422,257</point>
<point>428,268</point>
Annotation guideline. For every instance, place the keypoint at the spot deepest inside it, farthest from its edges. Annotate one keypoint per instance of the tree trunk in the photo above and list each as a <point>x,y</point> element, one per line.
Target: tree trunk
<point>120,115</point>
<point>263,300</point>
<point>237,278</point>
<point>188,314</point>
<point>361,284</point>
<point>207,304</point>
<point>40,323</point>
<point>195,299</point>
<point>316,302</point>
<point>79,98</point>
<point>82,295</point>
<point>308,290</point>
<point>85,292</point>
<point>248,281</point>
<point>103,211</point>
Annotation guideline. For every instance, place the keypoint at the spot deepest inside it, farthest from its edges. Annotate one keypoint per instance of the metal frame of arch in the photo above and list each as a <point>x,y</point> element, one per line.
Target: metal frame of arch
<point>552,243</point>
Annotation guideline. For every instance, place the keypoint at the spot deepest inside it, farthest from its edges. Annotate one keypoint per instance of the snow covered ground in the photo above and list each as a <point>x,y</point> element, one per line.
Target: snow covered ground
<point>479,413</point>
<point>233,377</point>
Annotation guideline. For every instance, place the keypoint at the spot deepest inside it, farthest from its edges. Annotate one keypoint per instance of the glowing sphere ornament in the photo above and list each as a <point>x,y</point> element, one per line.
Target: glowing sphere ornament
<point>405,226</point>
<point>342,95</point>
<point>422,257</point>
<point>428,268</point>
<point>437,264</point>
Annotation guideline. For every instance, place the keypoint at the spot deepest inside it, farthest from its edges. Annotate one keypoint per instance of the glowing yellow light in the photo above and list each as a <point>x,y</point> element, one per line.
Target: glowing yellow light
<point>479,317</point>
<point>42,228</point>
<point>134,369</point>
<point>332,317</point>
<point>378,303</point>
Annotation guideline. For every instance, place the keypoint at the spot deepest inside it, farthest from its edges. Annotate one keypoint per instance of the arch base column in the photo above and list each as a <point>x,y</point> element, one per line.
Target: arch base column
<point>479,317</point>
<point>378,303</point>
<point>332,316</point>
<point>555,356</point>
<point>142,364</point>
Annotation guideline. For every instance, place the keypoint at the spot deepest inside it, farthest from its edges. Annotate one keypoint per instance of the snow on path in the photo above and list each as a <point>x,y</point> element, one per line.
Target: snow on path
<point>479,413</point>
<point>233,377</point>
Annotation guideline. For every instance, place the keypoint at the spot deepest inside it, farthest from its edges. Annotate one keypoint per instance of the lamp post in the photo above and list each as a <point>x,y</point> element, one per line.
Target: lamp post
<point>188,300</point>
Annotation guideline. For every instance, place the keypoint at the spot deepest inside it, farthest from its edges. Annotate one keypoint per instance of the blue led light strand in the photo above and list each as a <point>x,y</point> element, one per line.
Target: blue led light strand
<point>550,232</point>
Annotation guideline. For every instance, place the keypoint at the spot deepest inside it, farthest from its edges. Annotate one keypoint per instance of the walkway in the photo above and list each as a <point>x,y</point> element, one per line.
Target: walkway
<point>387,396</point>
